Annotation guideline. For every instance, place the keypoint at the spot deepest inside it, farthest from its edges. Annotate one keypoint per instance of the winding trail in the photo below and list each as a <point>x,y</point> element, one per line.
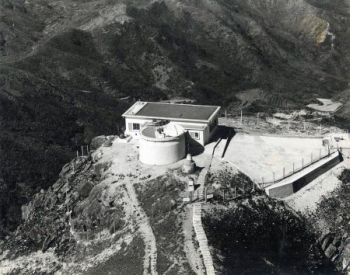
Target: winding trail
<point>145,229</point>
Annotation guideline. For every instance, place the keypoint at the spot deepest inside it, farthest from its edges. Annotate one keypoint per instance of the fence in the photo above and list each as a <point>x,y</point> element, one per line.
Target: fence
<point>84,151</point>
<point>295,169</point>
<point>285,126</point>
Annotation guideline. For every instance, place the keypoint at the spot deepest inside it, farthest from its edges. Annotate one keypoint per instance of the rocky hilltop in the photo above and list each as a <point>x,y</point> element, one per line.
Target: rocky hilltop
<point>69,68</point>
<point>108,214</point>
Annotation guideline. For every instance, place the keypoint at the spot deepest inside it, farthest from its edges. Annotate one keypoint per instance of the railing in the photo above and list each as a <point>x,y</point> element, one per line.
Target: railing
<point>274,179</point>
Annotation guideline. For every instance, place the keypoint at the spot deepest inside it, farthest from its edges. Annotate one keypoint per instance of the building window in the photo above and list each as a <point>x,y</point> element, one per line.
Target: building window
<point>194,135</point>
<point>136,126</point>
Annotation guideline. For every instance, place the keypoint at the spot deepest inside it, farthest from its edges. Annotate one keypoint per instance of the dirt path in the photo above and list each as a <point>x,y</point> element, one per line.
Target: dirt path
<point>192,253</point>
<point>142,222</point>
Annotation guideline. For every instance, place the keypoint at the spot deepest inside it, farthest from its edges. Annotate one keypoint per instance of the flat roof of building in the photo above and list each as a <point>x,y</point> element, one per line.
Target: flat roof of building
<point>171,111</point>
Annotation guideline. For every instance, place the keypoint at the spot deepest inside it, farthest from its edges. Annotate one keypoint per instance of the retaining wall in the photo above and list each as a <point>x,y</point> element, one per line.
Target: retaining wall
<point>295,183</point>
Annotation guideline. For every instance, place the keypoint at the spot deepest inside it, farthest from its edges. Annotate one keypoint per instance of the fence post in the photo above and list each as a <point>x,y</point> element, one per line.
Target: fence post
<point>77,154</point>
<point>273,173</point>
<point>82,150</point>
<point>284,171</point>
<point>302,163</point>
<point>293,167</point>
<point>311,158</point>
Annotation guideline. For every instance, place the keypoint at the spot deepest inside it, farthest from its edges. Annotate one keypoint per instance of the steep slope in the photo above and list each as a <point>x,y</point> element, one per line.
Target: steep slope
<point>65,65</point>
<point>108,214</point>
<point>331,221</point>
<point>258,235</point>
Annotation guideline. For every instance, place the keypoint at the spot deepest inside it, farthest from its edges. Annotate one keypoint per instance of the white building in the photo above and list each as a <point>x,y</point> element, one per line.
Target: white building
<point>200,121</point>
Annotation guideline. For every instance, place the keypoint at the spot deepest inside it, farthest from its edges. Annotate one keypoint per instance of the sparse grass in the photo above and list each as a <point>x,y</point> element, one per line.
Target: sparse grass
<point>127,261</point>
<point>333,209</point>
<point>234,184</point>
<point>261,236</point>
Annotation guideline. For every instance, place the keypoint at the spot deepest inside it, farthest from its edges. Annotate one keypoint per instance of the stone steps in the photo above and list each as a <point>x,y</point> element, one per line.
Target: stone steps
<point>202,239</point>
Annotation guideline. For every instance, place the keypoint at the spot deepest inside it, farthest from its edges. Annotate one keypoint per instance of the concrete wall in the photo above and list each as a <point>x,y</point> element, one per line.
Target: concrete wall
<point>162,152</point>
<point>300,183</point>
<point>294,186</point>
<point>128,126</point>
<point>201,138</point>
<point>281,191</point>
<point>201,128</point>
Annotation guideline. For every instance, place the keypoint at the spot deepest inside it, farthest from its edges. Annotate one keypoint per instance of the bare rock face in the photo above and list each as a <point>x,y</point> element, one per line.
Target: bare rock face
<point>332,221</point>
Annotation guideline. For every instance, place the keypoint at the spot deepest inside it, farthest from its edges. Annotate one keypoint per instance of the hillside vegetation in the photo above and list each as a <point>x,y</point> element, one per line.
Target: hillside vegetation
<point>96,219</point>
<point>66,65</point>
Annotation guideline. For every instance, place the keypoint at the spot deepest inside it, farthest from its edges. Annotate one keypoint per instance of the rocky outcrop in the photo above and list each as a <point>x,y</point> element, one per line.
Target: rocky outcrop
<point>337,249</point>
<point>331,222</point>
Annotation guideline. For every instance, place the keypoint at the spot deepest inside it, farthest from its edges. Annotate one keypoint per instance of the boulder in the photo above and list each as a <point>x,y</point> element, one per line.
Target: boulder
<point>326,241</point>
<point>66,168</point>
<point>330,251</point>
<point>84,189</point>
<point>336,241</point>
